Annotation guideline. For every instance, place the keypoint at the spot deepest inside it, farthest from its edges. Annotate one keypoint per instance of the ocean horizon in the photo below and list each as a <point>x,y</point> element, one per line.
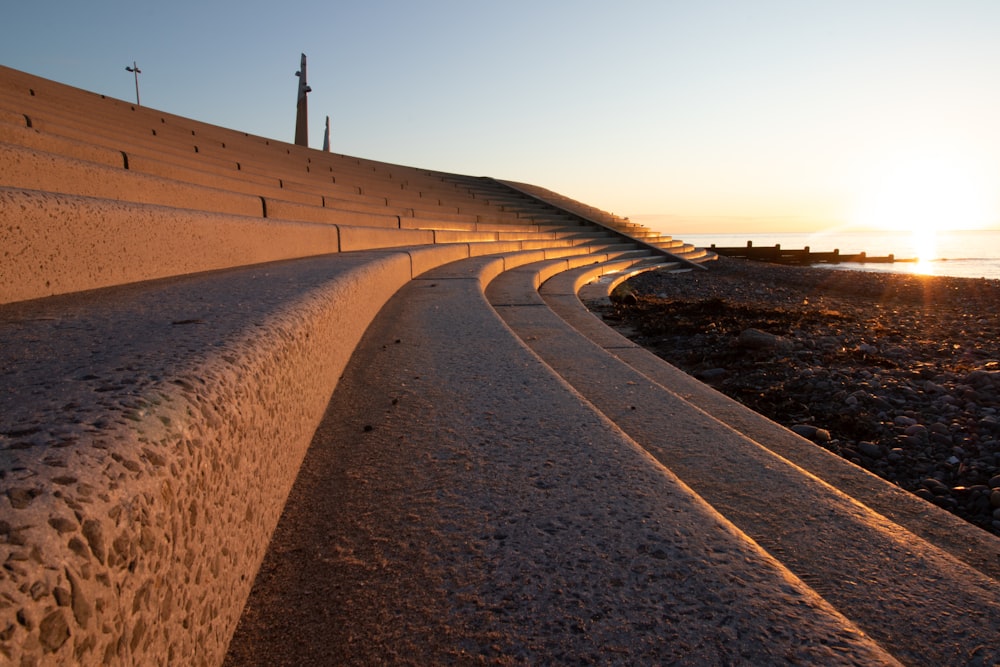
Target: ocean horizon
<point>961,254</point>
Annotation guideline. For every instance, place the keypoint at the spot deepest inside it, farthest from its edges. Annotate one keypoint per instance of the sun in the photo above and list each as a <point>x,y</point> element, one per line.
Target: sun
<point>925,195</point>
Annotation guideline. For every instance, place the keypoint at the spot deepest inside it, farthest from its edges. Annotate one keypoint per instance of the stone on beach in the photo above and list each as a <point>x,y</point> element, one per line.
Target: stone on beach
<point>754,339</point>
<point>870,449</point>
<point>810,432</point>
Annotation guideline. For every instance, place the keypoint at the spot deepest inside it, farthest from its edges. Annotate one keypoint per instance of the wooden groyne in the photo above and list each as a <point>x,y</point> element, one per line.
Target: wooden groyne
<point>778,255</point>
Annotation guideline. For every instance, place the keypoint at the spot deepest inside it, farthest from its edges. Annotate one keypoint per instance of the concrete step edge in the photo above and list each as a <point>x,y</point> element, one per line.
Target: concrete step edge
<point>184,472</point>
<point>975,547</point>
<point>952,579</point>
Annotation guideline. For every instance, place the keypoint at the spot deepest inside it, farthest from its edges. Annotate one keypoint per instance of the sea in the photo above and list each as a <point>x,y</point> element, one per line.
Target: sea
<point>963,254</point>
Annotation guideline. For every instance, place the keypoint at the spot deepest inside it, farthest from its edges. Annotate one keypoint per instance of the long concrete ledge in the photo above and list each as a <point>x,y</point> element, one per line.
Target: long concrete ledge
<point>179,301</point>
<point>143,479</point>
<point>486,512</point>
<point>963,541</point>
<point>31,169</point>
<point>56,243</point>
<point>256,172</point>
<point>920,600</point>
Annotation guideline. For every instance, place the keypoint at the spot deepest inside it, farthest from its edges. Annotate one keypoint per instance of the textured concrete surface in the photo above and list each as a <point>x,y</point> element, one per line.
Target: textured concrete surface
<point>919,602</point>
<point>37,170</point>
<point>230,179</point>
<point>276,208</point>
<point>149,435</point>
<point>461,505</point>
<point>366,238</point>
<point>54,244</point>
<point>532,196</point>
<point>13,118</point>
<point>454,236</point>
<point>963,541</point>
<point>31,138</point>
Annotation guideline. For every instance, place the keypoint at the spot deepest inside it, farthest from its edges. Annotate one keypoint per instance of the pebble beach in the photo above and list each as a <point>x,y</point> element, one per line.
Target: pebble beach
<point>898,373</point>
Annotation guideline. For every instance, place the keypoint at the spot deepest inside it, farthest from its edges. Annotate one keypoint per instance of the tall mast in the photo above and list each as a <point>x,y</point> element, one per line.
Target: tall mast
<point>302,115</point>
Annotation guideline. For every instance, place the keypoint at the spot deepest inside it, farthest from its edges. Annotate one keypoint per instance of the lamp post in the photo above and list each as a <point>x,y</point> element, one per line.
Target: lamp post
<point>136,72</point>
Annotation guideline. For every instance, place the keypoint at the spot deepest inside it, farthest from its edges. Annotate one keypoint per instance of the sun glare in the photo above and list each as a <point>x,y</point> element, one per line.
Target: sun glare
<point>925,245</point>
<point>927,194</point>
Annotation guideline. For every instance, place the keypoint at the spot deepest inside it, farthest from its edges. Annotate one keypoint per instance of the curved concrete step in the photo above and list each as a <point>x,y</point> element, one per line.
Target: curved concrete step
<point>79,135</point>
<point>143,478</point>
<point>461,503</point>
<point>542,204</point>
<point>228,174</point>
<point>31,169</point>
<point>917,600</point>
<point>602,280</point>
<point>22,167</point>
<point>965,542</point>
<point>56,243</point>
<point>150,433</point>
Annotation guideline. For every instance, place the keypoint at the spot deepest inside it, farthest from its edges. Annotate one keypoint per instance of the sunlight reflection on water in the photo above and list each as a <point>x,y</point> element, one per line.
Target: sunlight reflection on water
<point>925,247</point>
<point>966,254</point>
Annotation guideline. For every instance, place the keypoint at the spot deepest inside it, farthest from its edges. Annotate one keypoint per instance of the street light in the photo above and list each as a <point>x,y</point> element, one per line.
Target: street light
<point>136,71</point>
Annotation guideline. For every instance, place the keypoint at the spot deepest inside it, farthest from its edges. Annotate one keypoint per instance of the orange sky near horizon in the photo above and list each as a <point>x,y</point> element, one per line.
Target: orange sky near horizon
<point>714,116</point>
<point>908,186</point>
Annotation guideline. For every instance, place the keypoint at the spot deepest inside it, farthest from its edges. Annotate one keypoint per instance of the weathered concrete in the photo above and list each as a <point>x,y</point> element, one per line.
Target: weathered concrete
<point>285,210</point>
<point>27,168</point>
<point>151,431</point>
<point>230,180</point>
<point>32,138</point>
<point>54,244</point>
<point>942,611</point>
<point>13,118</point>
<point>601,281</point>
<point>425,258</point>
<point>452,236</point>
<point>460,503</point>
<point>937,526</point>
<point>143,479</point>
<point>367,238</point>
<point>534,198</point>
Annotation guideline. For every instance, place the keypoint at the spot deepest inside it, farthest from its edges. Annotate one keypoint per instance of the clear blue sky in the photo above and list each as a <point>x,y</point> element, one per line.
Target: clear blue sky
<point>715,115</point>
